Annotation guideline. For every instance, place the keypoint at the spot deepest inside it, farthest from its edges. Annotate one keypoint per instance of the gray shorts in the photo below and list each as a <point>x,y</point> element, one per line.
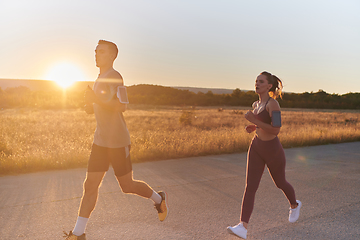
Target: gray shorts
<point>101,157</point>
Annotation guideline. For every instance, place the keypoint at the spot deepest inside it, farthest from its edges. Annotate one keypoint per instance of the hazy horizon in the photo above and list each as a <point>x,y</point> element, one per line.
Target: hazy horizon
<point>216,90</point>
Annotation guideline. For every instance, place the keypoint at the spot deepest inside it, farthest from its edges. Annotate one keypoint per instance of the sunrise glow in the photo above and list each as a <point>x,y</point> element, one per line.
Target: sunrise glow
<point>65,74</point>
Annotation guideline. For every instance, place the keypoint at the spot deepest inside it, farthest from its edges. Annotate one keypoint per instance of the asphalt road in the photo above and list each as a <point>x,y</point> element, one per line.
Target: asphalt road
<point>204,196</point>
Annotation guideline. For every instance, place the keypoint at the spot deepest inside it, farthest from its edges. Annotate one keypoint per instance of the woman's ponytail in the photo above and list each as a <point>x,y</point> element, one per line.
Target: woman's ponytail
<point>277,86</point>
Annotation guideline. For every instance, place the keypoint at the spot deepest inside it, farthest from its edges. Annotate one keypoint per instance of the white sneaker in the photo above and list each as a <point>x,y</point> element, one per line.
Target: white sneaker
<point>295,213</point>
<point>238,230</point>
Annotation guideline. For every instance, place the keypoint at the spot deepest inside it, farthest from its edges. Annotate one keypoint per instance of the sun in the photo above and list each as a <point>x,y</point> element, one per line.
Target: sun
<point>65,74</point>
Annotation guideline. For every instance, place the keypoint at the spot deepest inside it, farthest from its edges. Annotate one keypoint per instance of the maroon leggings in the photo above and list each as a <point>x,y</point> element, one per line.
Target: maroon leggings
<point>260,153</point>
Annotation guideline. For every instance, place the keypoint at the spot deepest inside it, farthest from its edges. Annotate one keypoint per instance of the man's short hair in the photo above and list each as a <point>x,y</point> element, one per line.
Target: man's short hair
<point>112,46</point>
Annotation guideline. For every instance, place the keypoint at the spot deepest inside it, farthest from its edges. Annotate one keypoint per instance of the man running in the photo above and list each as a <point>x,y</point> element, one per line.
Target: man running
<point>111,142</point>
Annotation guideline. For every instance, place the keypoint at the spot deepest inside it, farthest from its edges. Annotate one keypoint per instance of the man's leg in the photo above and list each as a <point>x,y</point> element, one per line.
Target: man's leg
<point>131,186</point>
<point>90,194</point>
<point>88,201</point>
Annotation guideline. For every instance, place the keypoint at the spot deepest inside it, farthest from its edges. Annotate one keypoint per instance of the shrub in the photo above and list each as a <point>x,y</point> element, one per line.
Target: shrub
<point>187,117</point>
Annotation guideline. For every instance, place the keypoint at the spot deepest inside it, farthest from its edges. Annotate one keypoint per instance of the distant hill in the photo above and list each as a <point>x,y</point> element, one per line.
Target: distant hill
<point>36,85</point>
<point>50,85</point>
<point>205,90</point>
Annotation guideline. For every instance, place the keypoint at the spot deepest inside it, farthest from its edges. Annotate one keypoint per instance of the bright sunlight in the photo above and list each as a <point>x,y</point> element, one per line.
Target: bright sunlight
<point>65,74</point>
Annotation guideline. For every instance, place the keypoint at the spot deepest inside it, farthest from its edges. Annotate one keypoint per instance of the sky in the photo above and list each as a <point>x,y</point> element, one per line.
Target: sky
<point>309,44</point>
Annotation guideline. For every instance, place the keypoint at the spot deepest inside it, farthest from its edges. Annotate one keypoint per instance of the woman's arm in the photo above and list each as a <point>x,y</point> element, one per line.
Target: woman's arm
<point>273,105</point>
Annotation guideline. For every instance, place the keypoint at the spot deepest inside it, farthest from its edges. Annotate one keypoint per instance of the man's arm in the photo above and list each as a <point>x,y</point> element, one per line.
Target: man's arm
<point>112,105</point>
<point>89,108</point>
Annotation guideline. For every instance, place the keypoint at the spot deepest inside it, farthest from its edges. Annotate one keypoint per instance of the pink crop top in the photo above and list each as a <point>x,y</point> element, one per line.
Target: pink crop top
<point>264,115</point>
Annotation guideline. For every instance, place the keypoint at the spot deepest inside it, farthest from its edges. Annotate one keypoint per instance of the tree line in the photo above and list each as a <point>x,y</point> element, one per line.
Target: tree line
<point>159,95</point>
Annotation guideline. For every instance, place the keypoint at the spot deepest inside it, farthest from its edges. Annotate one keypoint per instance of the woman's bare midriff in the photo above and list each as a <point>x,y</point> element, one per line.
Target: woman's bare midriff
<point>264,136</point>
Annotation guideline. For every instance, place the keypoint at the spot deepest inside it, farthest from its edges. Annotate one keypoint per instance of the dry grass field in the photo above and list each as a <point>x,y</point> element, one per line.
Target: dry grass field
<point>36,140</point>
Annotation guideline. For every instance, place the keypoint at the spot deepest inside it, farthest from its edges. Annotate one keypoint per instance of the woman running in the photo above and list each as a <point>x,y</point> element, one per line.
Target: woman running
<point>265,149</point>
